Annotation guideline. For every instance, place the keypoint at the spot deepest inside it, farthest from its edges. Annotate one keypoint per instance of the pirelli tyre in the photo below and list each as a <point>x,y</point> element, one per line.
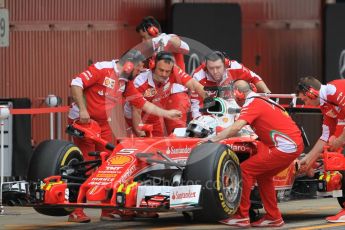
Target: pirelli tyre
<point>47,159</point>
<point>216,168</point>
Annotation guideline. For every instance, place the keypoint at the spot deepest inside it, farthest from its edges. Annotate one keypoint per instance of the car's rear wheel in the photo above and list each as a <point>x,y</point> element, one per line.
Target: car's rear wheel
<point>47,159</point>
<point>216,168</point>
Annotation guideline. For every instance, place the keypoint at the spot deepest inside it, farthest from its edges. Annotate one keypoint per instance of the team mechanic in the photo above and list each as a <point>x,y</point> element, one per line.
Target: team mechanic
<point>284,144</point>
<point>331,99</point>
<point>95,92</point>
<point>220,71</point>
<point>150,31</point>
<point>156,85</point>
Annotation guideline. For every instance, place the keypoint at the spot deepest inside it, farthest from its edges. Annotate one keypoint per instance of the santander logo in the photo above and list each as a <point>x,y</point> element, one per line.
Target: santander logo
<point>173,150</point>
<point>182,195</point>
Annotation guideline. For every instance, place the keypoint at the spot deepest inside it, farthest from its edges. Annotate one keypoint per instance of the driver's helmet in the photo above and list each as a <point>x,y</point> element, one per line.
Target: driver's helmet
<point>202,126</point>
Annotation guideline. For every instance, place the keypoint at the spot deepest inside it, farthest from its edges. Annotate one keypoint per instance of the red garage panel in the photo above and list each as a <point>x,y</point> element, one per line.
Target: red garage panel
<point>51,41</point>
<point>281,39</point>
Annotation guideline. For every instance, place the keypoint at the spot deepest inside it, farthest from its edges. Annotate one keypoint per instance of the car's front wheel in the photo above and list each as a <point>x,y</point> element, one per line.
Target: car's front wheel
<point>47,159</point>
<point>216,168</point>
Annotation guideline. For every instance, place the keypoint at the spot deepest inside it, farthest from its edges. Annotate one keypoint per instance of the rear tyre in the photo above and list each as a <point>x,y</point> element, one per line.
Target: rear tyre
<point>216,168</point>
<point>47,159</point>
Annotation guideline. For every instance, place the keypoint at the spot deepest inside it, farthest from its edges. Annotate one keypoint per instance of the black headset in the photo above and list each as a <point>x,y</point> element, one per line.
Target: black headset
<point>218,53</point>
<point>311,92</point>
<point>308,90</point>
<point>163,55</point>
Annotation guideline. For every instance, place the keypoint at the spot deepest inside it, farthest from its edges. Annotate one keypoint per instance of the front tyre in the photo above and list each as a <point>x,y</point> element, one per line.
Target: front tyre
<point>47,159</point>
<point>216,168</point>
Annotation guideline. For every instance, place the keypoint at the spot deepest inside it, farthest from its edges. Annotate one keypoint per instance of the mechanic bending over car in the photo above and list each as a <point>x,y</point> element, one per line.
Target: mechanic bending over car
<point>331,99</point>
<point>280,134</point>
<point>95,92</point>
<point>150,31</point>
<point>156,85</point>
<point>217,70</point>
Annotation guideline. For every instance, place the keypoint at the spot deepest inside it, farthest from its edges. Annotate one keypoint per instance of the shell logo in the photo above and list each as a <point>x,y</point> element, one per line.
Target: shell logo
<point>120,160</point>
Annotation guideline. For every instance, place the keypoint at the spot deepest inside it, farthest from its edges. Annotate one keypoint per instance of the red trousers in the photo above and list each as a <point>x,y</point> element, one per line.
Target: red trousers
<point>262,167</point>
<point>178,101</point>
<point>87,145</point>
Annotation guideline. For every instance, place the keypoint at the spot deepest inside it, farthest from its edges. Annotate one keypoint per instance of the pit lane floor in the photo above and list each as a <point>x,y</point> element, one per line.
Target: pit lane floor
<point>300,214</point>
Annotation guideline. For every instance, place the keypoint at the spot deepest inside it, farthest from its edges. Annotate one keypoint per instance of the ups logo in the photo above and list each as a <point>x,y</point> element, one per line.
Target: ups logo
<point>120,160</point>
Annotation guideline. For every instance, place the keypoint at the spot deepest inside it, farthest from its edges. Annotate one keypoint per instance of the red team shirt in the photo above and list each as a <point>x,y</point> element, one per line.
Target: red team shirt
<point>262,117</point>
<point>332,105</point>
<point>157,94</point>
<point>102,90</point>
<point>235,71</point>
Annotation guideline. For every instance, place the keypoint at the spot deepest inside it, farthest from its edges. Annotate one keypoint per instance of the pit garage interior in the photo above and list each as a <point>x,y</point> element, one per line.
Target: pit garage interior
<point>45,43</point>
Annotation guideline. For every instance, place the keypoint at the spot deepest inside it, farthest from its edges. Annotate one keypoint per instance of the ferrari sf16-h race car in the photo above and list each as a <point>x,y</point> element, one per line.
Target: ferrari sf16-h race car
<point>153,174</point>
<point>156,174</point>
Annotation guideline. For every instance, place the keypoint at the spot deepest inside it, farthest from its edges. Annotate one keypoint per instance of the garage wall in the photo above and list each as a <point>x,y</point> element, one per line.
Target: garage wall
<point>282,41</point>
<point>51,41</point>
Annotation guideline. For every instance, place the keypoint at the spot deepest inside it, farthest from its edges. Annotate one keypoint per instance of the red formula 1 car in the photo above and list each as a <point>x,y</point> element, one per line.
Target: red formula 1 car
<point>140,174</point>
<point>173,173</point>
